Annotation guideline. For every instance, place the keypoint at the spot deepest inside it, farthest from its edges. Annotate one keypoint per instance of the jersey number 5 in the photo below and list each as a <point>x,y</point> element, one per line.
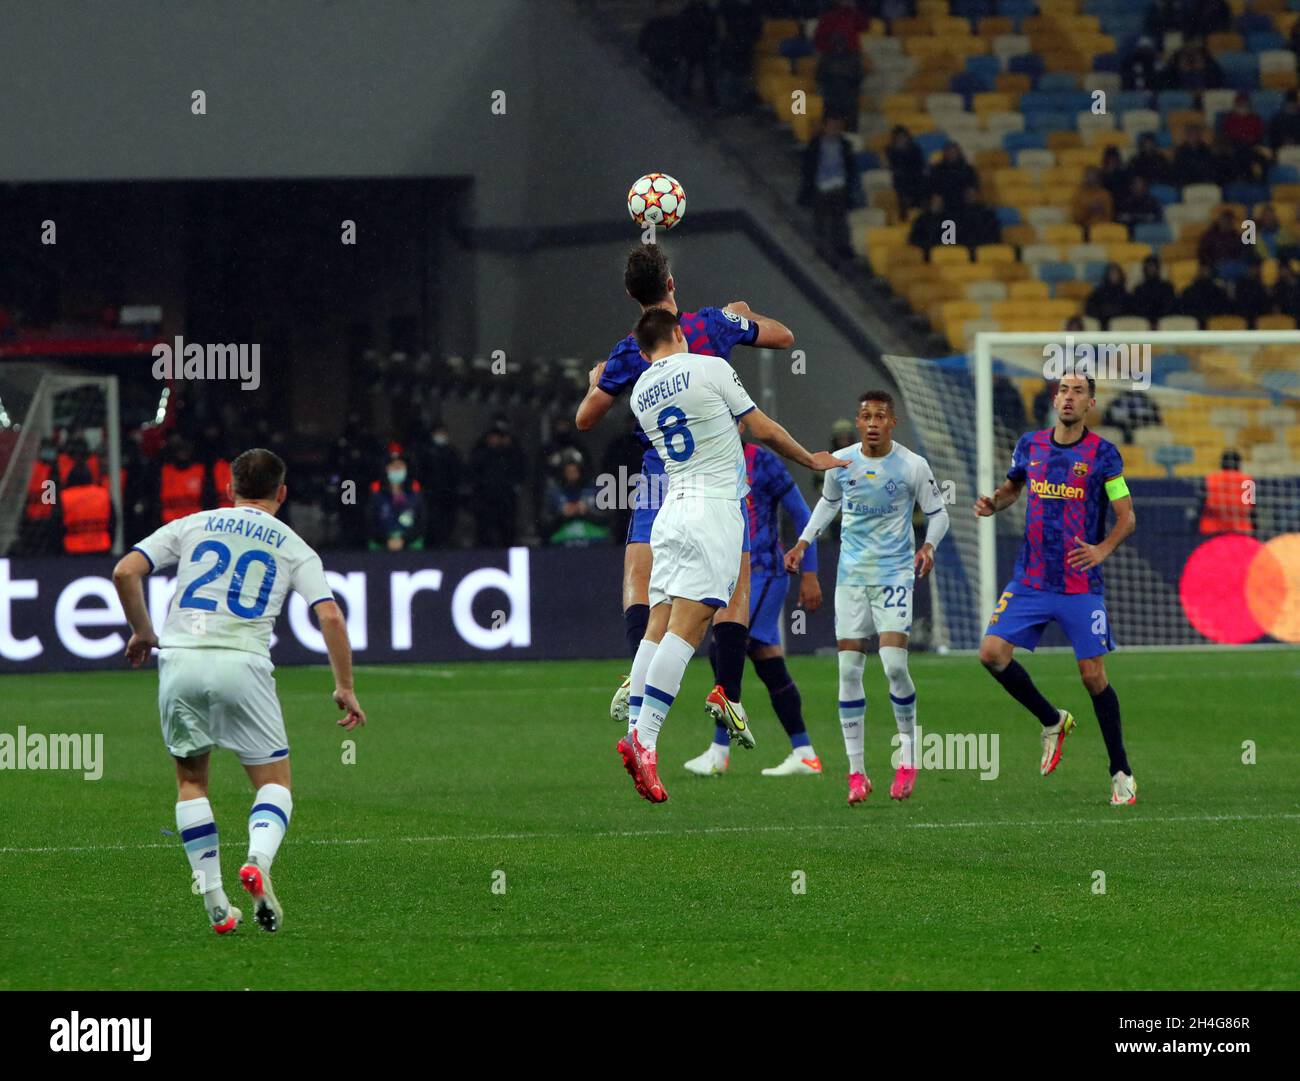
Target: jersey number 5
<point>234,598</point>
<point>678,440</point>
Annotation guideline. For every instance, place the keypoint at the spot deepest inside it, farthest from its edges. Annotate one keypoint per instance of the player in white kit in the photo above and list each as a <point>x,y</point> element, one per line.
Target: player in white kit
<point>235,568</point>
<point>688,404</point>
<point>877,573</point>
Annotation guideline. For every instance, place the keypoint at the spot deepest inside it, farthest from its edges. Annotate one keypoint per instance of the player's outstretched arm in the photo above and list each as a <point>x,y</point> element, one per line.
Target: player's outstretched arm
<point>596,404</point>
<point>128,580</point>
<point>772,435</point>
<point>772,334</point>
<point>334,629</point>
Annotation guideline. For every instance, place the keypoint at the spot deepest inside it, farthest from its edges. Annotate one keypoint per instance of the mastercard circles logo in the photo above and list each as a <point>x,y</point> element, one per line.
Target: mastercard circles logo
<point>1235,589</point>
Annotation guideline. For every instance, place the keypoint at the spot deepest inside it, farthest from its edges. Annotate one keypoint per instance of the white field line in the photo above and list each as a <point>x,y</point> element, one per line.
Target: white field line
<point>1103,818</point>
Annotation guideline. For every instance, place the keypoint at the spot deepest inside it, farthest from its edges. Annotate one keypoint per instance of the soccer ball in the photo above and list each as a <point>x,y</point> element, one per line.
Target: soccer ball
<point>656,199</point>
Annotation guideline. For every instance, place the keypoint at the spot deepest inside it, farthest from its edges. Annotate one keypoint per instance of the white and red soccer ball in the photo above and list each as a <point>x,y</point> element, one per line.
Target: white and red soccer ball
<point>656,199</point>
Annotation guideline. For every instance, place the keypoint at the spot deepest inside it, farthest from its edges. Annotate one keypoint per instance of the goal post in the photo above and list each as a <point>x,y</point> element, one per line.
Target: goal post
<point>1178,404</point>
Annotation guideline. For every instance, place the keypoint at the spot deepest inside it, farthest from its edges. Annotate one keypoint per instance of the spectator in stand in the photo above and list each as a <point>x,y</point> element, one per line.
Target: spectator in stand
<point>1114,177</point>
<point>1138,69</point>
<point>1250,298</point>
<point>657,42</point>
<point>1221,242</point>
<point>564,439</point>
<point>443,473</point>
<point>1137,206</point>
<point>927,226</point>
<point>951,176</point>
<point>1192,68</point>
<point>1204,298</point>
<point>977,223</point>
<point>1110,298</point>
<point>832,185</point>
<point>1244,132</point>
<point>1195,161</point>
<point>1202,17</point>
<point>1154,297</point>
<point>697,45</point>
<point>570,516</point>
<point>1150,162</point>
<point>742,27</point>
<point>396,510</point>
<point>1284,128</point>
<point>1130,410</point>
<point>1286,291</point>
<point>495,466</point>
<point>839,67</point>
<point>1278,239</point>
<point>1092,203</point>
<point>907,163</point>
<point>1162,17</point>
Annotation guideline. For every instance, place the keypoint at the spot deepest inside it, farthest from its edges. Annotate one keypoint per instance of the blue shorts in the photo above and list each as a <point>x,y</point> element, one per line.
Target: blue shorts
<point>766,606</point>
<point>1022,614</point>
<point>643,520</point>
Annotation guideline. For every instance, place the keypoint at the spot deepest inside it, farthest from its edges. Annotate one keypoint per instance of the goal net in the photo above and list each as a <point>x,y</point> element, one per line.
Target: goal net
<point>1208,424</point>
<point>55,424</point>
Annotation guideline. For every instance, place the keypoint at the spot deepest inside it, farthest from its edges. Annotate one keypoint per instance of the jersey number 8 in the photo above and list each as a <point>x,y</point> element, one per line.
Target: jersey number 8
<point>678,440</point>
<point>234,600</point>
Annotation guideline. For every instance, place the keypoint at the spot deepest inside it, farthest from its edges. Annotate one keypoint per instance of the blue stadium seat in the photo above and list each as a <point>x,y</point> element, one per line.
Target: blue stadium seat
<point>1050,121</point>
<point>1170,455</point>
<point>972,9</point>
<point>988,66</point>
<point>1105,62</point>
<point>1230,270</point>
<point>1058,80</point>
<point>1254,22</point>
<point>1284,174</point>
<point>1153,232</point>
<point>1017,8</point>
<point>1249,194</point>
<point>968,83</point>
<point>1165,364</point>
<point>1023,140</point>
<point>931,141</point>
<point>1094,270</point>
<point>1007,215</point>
<point>868,159</point>
<point>1164,139</point>
<point>1240,70</point>
<point>1056,272</point>
<point>1263,40</point>
<point>1036,101</point>
<point>1267,102</point>
<point>1169,100</point>
<point>1165,194</point>
<point>795,48</point>
<point>1131,99</point>
<point>1030,64</point>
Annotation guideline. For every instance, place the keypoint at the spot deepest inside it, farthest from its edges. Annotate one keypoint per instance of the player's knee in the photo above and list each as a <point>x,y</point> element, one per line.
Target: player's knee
<point>993,656</point>
<point>1094,676</point>
<point>894,665</point>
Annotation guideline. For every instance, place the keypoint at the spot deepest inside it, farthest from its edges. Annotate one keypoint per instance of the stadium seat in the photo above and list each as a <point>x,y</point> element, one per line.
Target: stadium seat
<point>1054,271</point>
<point>1130,324</point>
<point>1225,322</point>
<point>944,254</point>
<point>1107,232</point>
<point>1029,290</point>
<point>1275,321</point>
<point>1064,233</point>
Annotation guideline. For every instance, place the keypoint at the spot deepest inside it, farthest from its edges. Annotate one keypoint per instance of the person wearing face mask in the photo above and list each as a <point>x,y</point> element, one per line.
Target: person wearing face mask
<point>397,514</point>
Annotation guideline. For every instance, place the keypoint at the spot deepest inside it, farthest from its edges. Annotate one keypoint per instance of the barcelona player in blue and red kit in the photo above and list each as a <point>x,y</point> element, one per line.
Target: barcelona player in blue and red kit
<point>770,488</point>
<point>711,332</point>
<point>1073,476</point>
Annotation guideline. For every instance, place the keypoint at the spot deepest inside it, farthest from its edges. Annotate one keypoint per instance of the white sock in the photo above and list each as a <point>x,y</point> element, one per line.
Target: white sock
<point>268,821</point>
<point>902,696</point>
<point>853,707</point>
<point>663,680</point>
<point>198,830</point>
<point>636,688</point>
<point>720,753</point>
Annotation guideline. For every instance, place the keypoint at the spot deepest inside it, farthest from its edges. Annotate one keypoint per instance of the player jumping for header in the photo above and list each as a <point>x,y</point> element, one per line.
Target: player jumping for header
<point>876,577</point>
<point>1073,475</point>
<point>688,405</point>
<point>236,567</point>
<point>710,332</point>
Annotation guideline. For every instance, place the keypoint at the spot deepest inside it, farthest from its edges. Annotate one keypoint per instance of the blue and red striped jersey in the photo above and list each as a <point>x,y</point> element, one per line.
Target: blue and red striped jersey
<point>1067,499</point>
<point>711,332</point>
<point>769,480</point>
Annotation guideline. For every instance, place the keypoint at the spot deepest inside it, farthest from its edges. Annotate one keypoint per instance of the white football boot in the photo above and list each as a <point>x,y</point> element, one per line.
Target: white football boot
<point>618,707</point>
<point>256,879</point>
<point>712,763</point>
<point>798,763</point>
<point>1054,741</point>
<point>1123,790</point>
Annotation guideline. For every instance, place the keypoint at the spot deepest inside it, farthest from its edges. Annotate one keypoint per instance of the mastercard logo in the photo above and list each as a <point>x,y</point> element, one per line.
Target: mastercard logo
<point>1236,589</point>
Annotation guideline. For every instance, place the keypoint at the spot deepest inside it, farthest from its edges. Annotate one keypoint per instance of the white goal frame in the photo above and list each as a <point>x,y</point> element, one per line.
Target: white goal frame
<point>986,344</point>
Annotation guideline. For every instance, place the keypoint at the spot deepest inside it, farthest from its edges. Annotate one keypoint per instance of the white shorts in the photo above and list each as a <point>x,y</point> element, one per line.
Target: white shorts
<point>861,611</point>
<point>220,698</point>
<point>695,548</point>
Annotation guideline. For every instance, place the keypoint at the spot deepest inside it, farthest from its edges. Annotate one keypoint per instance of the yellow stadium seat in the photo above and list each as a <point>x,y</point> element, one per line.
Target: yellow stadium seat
<point>1014,178</point>
<point>1108,232</point>
<point>1275,322</point>
<point>1179,119</point>
<point>991,26</point>
<point>1065,233</point>
<point>1010,272</point>
<point>1012,82</point>
<point>945,254</point>
<point>1020,234</point>
<point>909,28</point>
<point>949,26</point>
<point>1127,252</point>
<point>1178,251</point>
<point>988,161</point>
<point>1073,290</point>
<point>1225,322</point>
<point>1225,43</point>
<point>965,273</point>
<point>1028,290</point>
<point>1004,311</point>
<point>991,101</point>
<point>995,253</point>
<point>1065,140</point>
<point>900,103</point>
<point>1279,80</point>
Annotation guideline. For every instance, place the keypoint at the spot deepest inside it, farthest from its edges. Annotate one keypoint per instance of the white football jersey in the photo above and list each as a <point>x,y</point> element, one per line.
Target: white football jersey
<point>688,405</point>
<point>235,569</point>
<point>877,496</point>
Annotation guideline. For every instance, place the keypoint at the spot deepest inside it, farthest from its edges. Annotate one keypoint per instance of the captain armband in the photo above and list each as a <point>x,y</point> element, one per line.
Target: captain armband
<point>1117,487</point>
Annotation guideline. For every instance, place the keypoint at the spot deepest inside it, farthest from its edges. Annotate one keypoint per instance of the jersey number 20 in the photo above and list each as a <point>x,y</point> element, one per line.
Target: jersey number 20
<point>678,441</point>
<point>234,598</point>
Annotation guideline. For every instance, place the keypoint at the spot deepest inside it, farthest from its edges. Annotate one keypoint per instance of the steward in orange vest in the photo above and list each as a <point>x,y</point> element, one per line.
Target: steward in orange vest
<point>87,515</point>
<point>181,488</point>
<point>1224,508</point>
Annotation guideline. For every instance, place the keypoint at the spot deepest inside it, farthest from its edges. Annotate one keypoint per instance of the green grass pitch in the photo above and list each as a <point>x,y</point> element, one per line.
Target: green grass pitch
<point>468,770</point>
